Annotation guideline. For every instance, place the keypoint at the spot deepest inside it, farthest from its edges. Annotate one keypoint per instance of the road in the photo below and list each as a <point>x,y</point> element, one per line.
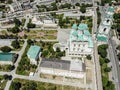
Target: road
<point>97,72</point>
<point>16,64</point>
<point>26,22</point>
<point>115,64</point>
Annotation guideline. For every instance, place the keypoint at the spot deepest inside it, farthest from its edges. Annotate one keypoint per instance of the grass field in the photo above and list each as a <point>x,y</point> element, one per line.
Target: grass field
<point>45,86</point>
<point>2,83</point>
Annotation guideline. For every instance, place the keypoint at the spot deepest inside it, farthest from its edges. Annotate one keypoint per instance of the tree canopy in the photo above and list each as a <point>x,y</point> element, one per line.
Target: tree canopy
<point>102,50</point>
<point>15,44</point>
<point>5,49</point>
<point>83,8</point>
<point>15,86</point>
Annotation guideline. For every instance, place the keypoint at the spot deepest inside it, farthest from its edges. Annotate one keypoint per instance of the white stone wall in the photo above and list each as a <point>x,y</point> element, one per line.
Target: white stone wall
<point>6,62</point>
<point>62,72</point>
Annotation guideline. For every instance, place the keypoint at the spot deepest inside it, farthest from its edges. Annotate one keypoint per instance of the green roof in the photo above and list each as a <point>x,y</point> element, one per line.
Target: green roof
<point>83,26</point>
<point>74,26</point>
<point>108,16</point>
<point>33,51</point>
<point>90,42</point>
<point>86,32</point>
<point>75,33</point>
<point>6,56</point>
<point>111,9</point>
<point>101,38</point>
<point>80,38</point>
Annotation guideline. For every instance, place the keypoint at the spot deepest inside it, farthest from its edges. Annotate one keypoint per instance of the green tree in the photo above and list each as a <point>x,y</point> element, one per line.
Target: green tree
<point>102,50</point>
<point>118,47</point>
<point>107,69</point>
<point>15,44</point>
<point>10,67</point>
<point>118,56</point>
<point>30,86</point>
<point>15,86</point>
<point>7,77</point>
<point>9,1</point>
<point>101,61</point>
<point>5,49</point>
<point>30,42</point>
<point>77,4</point>
<point>17,22</point>
<point>104,81</point>
<point>45,53</point>
<point>83,8</point>
<point>30,25</point>
<point>89,57</point>
<point>106,60</point>
<point>57,49</point>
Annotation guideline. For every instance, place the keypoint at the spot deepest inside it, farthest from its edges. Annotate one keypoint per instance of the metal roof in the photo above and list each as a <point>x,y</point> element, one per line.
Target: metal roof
<point>56,64</point>
<point>75,65</point>
<point>6,56</point>
<point>33,51</point>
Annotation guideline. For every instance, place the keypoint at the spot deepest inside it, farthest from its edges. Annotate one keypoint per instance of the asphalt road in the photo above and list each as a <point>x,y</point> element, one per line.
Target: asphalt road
<point>115,63</point>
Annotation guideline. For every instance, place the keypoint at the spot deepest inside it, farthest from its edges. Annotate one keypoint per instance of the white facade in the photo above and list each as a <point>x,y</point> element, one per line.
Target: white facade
<point>65,73</point>
<point>6,62</point>
<point>79,49</point>
<point>34,60</point>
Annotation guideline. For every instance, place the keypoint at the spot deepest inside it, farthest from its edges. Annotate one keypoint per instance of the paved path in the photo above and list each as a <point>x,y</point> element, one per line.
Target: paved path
<point>26,22</point>
<point>97,74</point>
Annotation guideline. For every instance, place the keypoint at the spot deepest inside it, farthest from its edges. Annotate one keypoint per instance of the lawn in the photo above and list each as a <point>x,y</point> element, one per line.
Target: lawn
<point>34,34</point>
<point>41,34</point>
<point>43,86</point>
<point>2,83</point>
<point>5,67</point>
<point>105,74</point>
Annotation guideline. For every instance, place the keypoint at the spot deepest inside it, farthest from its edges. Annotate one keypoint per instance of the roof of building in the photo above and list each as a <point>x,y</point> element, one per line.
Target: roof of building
<point>6,56</point>
<point>105,25</point>
<point>107,16</point>
<point>83,26</point>
<point>90,42</point>
<point>111,9</point>
<point>80,38</point>
<point>101,38</point>
<point>74,26</point>
<point>86,32</point>
<point>57,64</point>
<point>75,65</point>
<point>33,51</point>
<point>76,35</point>
<point>74,32</point>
